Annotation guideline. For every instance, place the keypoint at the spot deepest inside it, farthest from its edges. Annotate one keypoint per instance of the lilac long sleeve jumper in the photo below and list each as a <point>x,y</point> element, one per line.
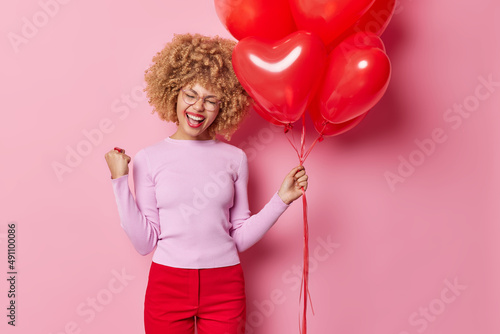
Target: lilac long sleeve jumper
<point>191,203</point>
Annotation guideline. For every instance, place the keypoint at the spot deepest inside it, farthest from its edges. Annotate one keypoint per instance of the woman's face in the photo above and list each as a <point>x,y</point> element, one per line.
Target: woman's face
<point>194,119</point>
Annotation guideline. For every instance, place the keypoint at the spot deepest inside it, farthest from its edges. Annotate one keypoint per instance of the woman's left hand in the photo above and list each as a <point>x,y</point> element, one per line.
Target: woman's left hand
<point>290,188</point>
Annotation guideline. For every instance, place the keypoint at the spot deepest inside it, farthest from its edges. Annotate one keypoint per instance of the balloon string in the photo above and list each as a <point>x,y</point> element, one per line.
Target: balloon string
<point>305,269</point>
<point>302,138</point>
<point>319,138</point>
<point>291,143</point>
<point>302,155</point>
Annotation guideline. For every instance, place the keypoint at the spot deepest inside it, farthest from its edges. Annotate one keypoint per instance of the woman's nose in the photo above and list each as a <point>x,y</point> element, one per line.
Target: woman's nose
<point>199,105</point>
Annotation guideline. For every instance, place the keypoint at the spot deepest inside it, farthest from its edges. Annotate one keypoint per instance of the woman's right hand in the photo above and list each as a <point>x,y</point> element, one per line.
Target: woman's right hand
<point>117,163</point>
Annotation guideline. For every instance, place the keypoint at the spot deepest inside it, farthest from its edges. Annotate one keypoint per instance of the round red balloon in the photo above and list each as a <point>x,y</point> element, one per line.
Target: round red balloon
<point>327,18</point>
<point>355,79</point>
<point>281,76</point>
<point>259,18</point>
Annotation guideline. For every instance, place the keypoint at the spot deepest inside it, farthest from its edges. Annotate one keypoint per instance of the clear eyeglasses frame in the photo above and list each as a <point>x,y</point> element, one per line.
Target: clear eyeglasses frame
<point>190,97</point>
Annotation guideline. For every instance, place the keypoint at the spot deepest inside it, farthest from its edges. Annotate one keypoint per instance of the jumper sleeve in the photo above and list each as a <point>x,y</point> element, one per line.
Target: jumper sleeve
<point>140,217</point>
<point>247,229</point>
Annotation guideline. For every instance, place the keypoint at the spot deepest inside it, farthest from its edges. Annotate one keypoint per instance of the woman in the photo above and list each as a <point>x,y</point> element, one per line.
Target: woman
<point>191,192</point>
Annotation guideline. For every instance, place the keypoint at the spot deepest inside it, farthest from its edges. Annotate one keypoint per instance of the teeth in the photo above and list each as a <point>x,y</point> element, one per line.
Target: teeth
<point>195,118</point>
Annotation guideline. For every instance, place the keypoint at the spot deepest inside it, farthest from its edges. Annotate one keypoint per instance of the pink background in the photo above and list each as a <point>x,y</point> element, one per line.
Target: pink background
<point>390,253</point>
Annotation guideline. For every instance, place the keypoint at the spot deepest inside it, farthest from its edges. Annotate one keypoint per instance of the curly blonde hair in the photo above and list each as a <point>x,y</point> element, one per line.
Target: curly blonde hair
<point>189,59</point>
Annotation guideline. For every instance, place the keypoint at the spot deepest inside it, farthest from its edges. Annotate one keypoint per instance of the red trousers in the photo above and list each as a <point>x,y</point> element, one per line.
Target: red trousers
<point>177,299</point>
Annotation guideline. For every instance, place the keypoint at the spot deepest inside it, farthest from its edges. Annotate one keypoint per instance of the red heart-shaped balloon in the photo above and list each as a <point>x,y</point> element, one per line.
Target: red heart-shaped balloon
<point>360,40</point>
<point>327,18</point>
<point>259,18</point>
<point>266,116</point>
<point>356,78</point>
<point>281,76</point>
<point>326,128</point>
<point>374,21</point>
<point>376,18</point>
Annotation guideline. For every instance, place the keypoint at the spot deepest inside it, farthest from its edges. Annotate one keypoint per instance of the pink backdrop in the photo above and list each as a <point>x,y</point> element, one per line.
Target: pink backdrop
<point>403,209</point>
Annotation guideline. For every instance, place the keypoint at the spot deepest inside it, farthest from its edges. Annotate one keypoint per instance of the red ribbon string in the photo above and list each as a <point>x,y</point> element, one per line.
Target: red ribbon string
<point>302,155</point>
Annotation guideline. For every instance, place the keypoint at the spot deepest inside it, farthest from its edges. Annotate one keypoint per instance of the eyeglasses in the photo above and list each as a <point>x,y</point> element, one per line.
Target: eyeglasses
<point>210,103</point>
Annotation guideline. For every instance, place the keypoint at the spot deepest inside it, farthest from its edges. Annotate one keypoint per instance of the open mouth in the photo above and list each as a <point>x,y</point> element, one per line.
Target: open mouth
<point>194,121</point>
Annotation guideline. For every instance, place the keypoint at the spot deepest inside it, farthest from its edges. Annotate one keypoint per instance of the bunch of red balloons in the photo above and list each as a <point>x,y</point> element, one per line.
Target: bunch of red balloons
<point>323,56</point>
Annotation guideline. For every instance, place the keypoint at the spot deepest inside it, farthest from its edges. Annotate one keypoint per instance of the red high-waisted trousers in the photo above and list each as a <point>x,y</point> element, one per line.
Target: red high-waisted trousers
<point>175,297</point>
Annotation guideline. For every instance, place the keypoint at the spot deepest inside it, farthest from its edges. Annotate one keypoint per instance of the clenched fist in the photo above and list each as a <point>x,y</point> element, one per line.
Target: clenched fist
<point>117,163</point>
